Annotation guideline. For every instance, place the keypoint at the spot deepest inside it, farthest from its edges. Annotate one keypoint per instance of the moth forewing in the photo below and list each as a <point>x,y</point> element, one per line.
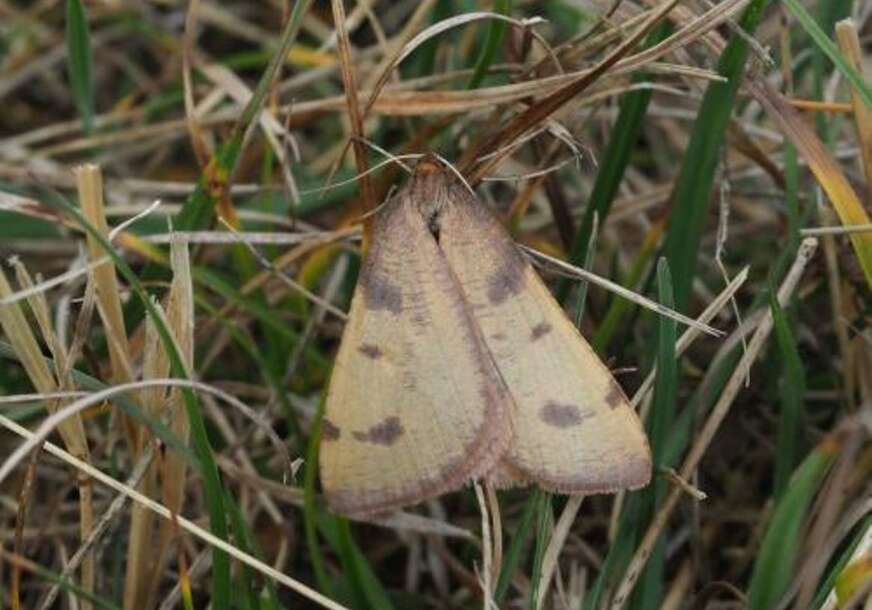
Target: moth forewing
<point>457,363</point>
<point>574,429</point>
<point>415,406</point>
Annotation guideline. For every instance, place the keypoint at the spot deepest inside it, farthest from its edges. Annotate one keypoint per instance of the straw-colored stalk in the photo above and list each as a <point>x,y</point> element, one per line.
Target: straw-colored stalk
<point>72,431</point>
<point>180,320</point>
<point>89,181</point>
<point>849,44</point>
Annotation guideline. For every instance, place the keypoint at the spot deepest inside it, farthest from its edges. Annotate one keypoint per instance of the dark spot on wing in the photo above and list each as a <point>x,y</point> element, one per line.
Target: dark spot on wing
<point>381,294</point>
<point>540,330</point>
<point>384,433</point>
<point>329,430</point>
<point>562,415</point>
<point>370,351</point>
<point>616,396</point>
<point>506,282</point>
<point>498,336</point>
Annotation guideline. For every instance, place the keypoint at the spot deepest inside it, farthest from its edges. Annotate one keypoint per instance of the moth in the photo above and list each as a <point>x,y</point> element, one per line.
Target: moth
<point>457,364</point>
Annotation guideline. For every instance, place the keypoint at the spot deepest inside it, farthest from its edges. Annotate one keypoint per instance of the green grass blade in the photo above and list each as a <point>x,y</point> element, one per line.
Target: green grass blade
<point>364,582</point>
<point>616,314</point>
<point>840,564</point>
<point>773,569</point>
<point>620,551</point>
<point>198,209</point>
<point>78,39</point>
<point>666,379</point>
<point>693,188</point>
<point>495,31</point>
<point>625,134</point>
<point>247,583</point>
<point>311,508</point>
<point>792,392</point>
<point>580,301</point>
<point>829,48</point>
<point>660,423</point>
<point>514,555</point>
<point>68,585</point>
<point>826,14</point>
<point>544,529</point>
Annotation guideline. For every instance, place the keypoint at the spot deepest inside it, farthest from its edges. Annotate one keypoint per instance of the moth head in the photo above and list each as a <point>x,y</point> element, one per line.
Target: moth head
<point>428,190</point>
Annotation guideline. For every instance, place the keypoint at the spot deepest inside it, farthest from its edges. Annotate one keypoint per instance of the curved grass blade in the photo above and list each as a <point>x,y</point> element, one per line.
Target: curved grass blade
<point>773,569</point>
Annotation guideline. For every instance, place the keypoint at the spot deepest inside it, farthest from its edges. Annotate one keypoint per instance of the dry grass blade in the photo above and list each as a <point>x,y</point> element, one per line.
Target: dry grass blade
<point>555,545</point>
<point>344,46</point>
<point>487,549</point>
<point>185,524</point>
<point>79,442</point>
<point>58,280</point>
<point>540,111</point>
<point>101,526</point>
<point>284,278</point>
<point>459,20</point>
<point>18,330</point>
<point>247,237</point>
<point>173,468</point>
<point>140,549</point>
<point>201,147</point>
<point>829,175</point>
<point>89,180</point>
<point>713,422</point>
<point>579,273</point>
<point>849,43</point>
<point>840,230</point>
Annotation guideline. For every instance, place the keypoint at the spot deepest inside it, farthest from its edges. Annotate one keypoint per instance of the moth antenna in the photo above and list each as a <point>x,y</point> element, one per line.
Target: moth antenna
<point>391,157</point>
<point>356,177</point>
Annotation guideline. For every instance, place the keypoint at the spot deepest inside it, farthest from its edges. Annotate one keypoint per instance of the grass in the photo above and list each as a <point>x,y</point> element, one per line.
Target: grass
<point>695,163</point>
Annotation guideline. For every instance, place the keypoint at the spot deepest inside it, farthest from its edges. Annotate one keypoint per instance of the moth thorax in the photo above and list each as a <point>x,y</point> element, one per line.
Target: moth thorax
<point>428,191</point>
<point>431,207</point>
<point>431,214</point>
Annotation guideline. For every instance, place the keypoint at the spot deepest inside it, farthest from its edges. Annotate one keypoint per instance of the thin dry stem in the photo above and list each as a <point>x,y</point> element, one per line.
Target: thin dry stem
<point>706,434</point>
<point>185,524</point>
<point>849,44</point>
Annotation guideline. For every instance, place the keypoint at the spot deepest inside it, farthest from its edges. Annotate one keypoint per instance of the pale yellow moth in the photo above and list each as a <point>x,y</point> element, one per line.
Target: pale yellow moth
<point>457,364</point>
